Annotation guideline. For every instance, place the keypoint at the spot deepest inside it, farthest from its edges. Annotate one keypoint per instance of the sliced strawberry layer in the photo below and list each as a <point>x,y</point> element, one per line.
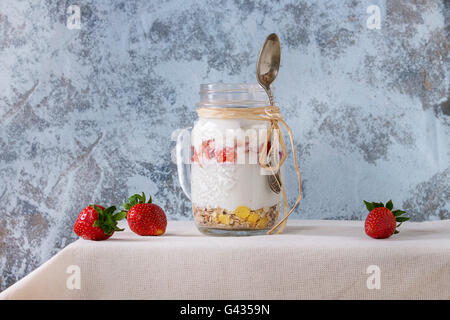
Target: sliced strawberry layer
<point>208,151</point>
<point>226,155</point>
<point>194,157</point>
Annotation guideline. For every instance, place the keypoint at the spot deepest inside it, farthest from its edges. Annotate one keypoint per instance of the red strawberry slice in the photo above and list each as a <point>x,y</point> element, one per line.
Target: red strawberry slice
<point>208,149</point>
<point>194,157</point>
<point>227,155</point>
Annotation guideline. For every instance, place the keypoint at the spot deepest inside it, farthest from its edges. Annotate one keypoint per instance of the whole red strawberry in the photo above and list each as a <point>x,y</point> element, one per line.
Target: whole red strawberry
<point>381,222</point>
<point>145,219</point>
<point>97,223</point>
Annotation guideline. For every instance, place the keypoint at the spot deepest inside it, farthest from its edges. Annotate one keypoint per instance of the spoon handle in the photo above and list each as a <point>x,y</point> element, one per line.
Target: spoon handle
<point>269,93</point>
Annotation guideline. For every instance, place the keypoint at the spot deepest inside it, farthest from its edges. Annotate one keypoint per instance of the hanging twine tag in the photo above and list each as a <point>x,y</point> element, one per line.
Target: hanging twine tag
<point>272,114</point>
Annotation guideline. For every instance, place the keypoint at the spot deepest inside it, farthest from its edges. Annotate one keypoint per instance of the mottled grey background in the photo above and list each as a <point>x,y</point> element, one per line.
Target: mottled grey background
<point>87,115</point>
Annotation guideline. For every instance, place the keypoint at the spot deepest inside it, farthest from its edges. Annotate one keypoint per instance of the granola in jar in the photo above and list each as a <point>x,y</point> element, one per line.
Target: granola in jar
<point>243,218</point>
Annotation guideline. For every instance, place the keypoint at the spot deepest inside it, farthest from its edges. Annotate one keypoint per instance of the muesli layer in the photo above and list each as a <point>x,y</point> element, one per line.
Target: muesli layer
<point>242,218</point>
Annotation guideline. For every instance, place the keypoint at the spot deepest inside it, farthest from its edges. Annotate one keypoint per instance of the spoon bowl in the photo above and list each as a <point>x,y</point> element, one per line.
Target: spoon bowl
<point>268,63</point>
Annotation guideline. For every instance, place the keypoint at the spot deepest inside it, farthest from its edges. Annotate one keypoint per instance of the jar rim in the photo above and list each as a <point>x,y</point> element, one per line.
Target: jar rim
<point>230,87</point>
<point>232,95</point>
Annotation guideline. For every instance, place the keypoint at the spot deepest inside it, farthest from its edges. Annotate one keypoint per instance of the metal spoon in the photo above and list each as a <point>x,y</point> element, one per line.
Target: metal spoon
<point>268,63</point>
<point>266,71</point>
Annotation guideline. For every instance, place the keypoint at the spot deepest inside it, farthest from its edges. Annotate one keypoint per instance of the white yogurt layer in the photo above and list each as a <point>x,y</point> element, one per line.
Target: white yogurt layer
<point>229,186</point>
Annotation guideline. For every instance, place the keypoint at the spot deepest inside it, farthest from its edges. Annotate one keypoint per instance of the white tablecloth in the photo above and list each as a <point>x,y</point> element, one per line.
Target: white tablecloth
<point>312,260</point>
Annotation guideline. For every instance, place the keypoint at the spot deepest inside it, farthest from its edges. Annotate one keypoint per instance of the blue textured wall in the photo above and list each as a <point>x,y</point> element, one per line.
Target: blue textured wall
<point>87,115</point>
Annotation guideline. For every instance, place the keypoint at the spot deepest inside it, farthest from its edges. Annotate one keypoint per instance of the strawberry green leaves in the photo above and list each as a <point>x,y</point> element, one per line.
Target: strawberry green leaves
<point>398,218</point>
<point>401,220</point>
<point>133,200</point>
<point>389,205</point>
<point>372,205</point>
<point>398,212</point>
<point>107,220</point>
<point>119,216</point>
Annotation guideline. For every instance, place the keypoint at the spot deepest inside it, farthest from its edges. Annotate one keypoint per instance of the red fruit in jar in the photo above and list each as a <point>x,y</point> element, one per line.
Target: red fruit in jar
<point>145,218</point>
<point>227,154</point>
<point>208,149</point>
<point>381,222</point>
<point>221,156</point>
<point>194,157</point>
<point>97,223</point>
<point>261,146</point>
<point>247,146</point>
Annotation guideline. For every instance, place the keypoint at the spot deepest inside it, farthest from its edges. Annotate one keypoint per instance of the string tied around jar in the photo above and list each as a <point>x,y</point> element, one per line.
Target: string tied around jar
<point>273,115</point>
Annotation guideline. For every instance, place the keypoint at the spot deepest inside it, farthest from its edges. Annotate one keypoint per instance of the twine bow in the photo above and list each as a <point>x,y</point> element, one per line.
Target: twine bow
<point>272,114</point>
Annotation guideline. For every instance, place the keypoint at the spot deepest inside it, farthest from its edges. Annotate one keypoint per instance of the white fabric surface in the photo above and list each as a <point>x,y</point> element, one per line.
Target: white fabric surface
<point>311,260</point>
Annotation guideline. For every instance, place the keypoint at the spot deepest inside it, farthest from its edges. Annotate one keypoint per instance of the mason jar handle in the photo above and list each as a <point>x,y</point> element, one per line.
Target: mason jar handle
<point>183,151</point>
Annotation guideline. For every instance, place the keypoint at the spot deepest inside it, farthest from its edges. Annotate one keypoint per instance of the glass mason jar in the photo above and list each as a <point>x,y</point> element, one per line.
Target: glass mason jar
<point>218,165</point>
